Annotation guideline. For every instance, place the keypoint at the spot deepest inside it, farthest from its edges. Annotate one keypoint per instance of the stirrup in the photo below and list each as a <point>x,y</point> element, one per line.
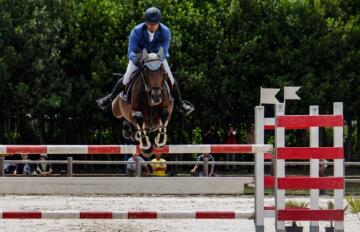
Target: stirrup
<point>187,108</point>
<point>104,102</point>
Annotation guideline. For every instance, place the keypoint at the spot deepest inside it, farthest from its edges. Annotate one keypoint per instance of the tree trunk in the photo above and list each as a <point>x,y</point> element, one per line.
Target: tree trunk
<point>41,128</point>
<point>348,142</point>
<point>357,137</point>
<point>2,128</point>
<point>7,126</point>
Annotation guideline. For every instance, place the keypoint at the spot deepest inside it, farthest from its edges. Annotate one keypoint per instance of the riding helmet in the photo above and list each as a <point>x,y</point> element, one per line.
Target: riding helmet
<point>152,15</point>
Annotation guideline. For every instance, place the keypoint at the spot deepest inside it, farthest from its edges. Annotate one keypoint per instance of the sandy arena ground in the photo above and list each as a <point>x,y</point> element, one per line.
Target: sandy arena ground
<point>155,203</point>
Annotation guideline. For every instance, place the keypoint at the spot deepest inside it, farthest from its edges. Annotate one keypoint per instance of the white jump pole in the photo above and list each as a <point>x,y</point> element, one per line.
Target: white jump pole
<point>279,167</point>
<point>259,170</point>
<point>314,169</point>
<point>338,166</point>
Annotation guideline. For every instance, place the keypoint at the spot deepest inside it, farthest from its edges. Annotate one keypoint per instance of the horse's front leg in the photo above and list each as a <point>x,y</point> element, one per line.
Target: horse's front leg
<point>161,137</point>
<point>141,133</point>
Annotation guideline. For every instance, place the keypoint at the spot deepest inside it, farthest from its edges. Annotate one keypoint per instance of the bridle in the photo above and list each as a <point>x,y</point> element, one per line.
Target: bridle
<point>147,88</point>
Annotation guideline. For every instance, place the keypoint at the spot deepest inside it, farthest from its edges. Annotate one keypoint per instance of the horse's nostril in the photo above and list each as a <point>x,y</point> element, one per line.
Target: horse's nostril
<point>156,97</point>
<point>156,93</point>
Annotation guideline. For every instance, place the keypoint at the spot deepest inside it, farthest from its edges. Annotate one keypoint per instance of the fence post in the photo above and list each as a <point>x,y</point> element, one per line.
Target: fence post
<point>338,166</point>
<point>70,167</point>
<point>314,169</point>
<point>138,167</point>
<point>279,168</point>
<point>259,170</point>
<point>206,166</point>
<point>2,166</point>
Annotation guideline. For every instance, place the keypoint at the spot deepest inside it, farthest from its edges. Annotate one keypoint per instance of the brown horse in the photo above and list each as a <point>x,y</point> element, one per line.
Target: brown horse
<point>149,105</point>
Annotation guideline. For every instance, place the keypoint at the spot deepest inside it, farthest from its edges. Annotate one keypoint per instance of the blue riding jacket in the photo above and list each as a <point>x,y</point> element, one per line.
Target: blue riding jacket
<point>139,39</point>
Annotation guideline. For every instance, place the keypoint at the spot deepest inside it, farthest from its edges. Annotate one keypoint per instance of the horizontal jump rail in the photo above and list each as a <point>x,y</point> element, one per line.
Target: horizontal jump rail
<point>307,121</point>
<point>131,149</point>
<point>305,182</point>
<point>310,215</point>
<point>306,153</point>
<point>126,215</point>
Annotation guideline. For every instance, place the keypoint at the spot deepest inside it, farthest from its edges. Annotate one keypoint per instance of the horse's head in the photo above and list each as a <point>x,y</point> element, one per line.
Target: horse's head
<point>154,75</point>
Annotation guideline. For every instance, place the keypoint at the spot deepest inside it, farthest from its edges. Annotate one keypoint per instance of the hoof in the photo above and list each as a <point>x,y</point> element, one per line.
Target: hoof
<point>127,131</point>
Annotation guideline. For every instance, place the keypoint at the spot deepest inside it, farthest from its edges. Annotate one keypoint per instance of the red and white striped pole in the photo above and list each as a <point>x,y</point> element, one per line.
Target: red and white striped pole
<point>126,214</point>
<point>131,149</point>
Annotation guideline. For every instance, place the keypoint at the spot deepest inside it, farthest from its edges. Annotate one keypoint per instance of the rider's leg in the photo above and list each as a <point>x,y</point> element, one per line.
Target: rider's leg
<point>104,102</point>
<point>168,71</point>
<point>130,69</point>
<point>181,105</point>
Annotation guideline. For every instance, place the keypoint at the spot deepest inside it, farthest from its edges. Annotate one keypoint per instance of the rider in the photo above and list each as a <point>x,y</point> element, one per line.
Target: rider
<point>150,35</point>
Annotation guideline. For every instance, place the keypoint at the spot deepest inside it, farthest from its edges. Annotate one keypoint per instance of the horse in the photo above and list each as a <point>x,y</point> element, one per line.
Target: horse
<point>149,104</point>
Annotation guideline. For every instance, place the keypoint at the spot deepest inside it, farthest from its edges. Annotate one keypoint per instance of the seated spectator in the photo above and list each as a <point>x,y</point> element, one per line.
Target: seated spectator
<point>131,167</point>
<point>323,166</point>
<point>201,169</point>
<point>44,169</point>
<point>158,166</point>
<point>24,168</point>
<point>322,173</point>
<point>9,168</point>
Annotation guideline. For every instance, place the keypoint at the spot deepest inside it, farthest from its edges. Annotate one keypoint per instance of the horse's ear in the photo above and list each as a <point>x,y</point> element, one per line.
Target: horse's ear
<point>161,53</point>
<point>145,54</point>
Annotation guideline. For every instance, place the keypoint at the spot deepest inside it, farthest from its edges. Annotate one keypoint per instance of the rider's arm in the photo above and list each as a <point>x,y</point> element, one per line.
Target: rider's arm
<point>166,42</point>
<point>133,45</point>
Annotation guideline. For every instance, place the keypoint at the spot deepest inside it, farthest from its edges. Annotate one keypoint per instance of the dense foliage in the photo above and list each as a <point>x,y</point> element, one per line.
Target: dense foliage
<point>56,59</point>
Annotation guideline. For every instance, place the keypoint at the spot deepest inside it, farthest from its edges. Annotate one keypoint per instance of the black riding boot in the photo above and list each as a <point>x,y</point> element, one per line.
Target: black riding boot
<point>183,107</point>
<point>104,102</point>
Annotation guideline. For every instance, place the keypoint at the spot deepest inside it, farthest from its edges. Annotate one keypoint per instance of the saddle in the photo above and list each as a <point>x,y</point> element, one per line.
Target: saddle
<point>126,94</point>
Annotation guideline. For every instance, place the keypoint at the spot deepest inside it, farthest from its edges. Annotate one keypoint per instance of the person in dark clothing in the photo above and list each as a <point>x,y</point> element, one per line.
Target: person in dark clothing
<point>44,169</point>
<point>24,168</point>
<point>200,168</point>
<point>231,138</point>
<point>211,136</point>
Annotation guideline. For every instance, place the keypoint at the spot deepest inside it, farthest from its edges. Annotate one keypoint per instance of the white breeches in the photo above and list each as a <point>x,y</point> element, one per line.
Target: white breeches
<point>132,68</point>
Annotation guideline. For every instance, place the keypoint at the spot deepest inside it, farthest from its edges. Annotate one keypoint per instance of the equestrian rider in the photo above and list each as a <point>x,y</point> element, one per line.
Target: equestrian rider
<point>150,35</point>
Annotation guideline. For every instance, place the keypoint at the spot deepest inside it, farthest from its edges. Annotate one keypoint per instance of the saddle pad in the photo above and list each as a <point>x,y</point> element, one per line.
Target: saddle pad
<point>127,96</point>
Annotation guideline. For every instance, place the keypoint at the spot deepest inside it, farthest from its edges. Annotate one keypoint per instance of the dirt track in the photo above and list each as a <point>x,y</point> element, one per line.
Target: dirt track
<point>155,203</point>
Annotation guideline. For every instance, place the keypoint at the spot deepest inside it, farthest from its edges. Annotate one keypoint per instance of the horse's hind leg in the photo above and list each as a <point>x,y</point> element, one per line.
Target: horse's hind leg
<point>161,137</point>
<point>142,136</point>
